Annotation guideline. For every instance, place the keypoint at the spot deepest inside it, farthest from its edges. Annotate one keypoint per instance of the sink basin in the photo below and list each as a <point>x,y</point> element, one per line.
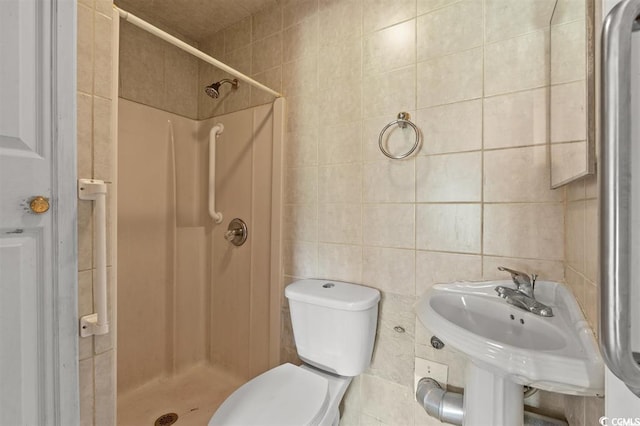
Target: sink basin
<point>491,319</point>
<point>557,354</point>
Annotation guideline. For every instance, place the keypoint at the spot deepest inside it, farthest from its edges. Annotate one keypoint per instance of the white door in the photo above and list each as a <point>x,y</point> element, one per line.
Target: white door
<point>38,284</point>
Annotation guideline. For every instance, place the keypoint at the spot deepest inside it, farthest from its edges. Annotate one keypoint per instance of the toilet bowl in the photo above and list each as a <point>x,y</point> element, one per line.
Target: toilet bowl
<point>334,326</point>
<point>286,395</point>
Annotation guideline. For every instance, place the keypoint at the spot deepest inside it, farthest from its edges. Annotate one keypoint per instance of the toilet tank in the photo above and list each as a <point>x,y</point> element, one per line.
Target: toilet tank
<point>334,324</point>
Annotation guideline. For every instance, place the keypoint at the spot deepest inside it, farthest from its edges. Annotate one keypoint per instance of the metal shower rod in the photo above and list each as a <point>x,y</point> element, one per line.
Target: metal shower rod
<point>129,17</point>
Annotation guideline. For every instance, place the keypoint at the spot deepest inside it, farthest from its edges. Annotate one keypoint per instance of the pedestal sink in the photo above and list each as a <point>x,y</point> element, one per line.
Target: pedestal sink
<point>508,347</point>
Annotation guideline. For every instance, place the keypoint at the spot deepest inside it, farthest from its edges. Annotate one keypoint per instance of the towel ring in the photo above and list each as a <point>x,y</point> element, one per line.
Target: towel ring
<point>402,121</point>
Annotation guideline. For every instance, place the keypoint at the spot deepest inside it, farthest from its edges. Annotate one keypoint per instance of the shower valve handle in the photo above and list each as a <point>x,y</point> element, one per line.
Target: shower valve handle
<point>231,234</point>
<point>237,232</point>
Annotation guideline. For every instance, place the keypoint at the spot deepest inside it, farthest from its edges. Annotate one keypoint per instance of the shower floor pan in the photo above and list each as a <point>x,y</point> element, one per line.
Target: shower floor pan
<point>193,396</point>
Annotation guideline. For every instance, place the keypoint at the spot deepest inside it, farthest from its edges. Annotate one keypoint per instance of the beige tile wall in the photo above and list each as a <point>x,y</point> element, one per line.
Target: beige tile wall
<point>581,242</point>
<point>581,275</point>
<point>473,75</point>
<point>157,74</point>
<point>95,160</point>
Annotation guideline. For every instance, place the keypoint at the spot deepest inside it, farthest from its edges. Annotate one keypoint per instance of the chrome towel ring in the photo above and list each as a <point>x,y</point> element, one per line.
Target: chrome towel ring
<point>402,122</point>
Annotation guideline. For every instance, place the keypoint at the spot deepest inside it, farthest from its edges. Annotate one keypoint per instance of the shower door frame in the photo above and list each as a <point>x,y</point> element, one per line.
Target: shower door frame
<point>277,191</point>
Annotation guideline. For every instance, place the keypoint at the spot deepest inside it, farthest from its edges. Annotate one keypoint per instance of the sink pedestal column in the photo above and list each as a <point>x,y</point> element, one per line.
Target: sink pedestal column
<point>490,399</point>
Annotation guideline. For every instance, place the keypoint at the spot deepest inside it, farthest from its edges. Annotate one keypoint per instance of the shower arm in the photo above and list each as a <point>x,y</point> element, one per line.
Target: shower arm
<point>233,82</point>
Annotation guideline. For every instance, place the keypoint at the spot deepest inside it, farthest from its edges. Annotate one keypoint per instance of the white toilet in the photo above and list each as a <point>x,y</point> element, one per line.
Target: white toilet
<point>334,326</point>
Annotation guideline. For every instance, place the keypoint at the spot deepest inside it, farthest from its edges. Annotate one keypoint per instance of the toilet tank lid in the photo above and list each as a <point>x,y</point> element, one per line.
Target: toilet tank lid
<point>333,294</point>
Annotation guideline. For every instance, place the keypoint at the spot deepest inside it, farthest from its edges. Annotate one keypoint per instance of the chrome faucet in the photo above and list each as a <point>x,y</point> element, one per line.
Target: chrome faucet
<point>523,282</point>
<point>522,296</point>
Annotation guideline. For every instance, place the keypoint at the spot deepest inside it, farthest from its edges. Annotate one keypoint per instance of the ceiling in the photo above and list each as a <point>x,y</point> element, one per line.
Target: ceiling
<point>196,20</point>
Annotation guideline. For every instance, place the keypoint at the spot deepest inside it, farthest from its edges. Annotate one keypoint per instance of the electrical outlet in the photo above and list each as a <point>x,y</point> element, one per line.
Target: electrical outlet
<point>427,368</point>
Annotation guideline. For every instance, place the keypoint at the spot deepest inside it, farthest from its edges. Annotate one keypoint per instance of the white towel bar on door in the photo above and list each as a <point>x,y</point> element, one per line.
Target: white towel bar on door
<point>213,135</point>
<point>97,323</point>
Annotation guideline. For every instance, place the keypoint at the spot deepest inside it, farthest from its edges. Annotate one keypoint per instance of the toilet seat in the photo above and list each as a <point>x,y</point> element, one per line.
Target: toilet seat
<point>285,395</point>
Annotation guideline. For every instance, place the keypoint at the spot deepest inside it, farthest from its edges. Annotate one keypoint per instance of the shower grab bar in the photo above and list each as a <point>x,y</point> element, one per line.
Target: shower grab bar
<point>615,196</point>
<point>213,136</point>
<point>140,23</point>
<point>98,322</point>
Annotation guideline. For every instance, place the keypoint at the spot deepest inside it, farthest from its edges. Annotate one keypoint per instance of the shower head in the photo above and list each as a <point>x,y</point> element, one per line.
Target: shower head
<point>213,89</point>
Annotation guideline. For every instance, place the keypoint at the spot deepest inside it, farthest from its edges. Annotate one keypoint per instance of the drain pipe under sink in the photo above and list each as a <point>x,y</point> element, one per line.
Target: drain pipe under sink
<point>448,406</point>
<point>437,402</point>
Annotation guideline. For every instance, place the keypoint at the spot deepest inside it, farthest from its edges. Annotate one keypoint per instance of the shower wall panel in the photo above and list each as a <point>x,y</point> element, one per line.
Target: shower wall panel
<point>241,275</point>
<point>185,295</point>
<point>162,264</point>
<point>192,281</point>
<point>145,233</point>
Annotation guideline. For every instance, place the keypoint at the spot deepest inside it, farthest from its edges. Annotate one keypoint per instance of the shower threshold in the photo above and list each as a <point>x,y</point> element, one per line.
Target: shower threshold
<point>193,395</point>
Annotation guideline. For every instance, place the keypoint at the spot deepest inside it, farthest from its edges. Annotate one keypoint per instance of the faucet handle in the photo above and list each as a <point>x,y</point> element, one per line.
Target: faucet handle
<point>521,280</point>
<point>516,274</point>
<point>534,277</point>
